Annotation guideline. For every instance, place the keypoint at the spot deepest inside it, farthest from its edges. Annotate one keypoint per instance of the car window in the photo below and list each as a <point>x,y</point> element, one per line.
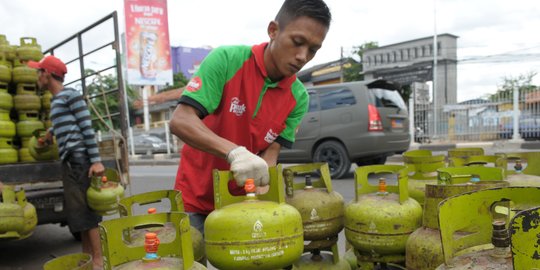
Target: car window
<point>313,102</point>
<point>336,99</point>
<point>386,98</point>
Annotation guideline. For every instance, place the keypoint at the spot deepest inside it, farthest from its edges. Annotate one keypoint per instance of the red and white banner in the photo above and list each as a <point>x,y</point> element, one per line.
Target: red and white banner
<point>147,40</point>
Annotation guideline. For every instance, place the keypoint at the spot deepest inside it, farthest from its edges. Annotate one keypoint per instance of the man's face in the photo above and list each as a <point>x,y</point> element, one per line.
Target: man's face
<point>293,46</point>
<point>43,79</point>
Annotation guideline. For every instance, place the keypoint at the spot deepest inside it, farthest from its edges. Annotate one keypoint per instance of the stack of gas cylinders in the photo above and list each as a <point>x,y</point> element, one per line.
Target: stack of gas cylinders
<point>466,210</point>
<point>20,101</point>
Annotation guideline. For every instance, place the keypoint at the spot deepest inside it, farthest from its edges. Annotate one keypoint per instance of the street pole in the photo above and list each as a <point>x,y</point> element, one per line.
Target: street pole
<point>145,108</point>
<point>435,51</point>
<point>516,137</point>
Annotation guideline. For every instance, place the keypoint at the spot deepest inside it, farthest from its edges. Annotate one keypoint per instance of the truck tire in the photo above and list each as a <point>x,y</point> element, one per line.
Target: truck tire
<point>335,154</point>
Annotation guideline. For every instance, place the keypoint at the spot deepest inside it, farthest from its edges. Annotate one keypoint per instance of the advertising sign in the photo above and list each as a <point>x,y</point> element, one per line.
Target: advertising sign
<point>147,40</point>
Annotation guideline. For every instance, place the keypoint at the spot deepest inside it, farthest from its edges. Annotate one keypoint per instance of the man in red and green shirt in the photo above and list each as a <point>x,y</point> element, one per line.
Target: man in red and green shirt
<point>244,103</point>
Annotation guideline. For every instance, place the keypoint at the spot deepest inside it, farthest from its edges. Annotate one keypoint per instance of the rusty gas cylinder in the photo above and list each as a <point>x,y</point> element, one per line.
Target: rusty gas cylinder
<point>424,247</point>
<point>499,257</point>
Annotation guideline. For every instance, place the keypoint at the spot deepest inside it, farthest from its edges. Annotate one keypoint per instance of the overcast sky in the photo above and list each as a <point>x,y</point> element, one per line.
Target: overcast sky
<point>503,36</point>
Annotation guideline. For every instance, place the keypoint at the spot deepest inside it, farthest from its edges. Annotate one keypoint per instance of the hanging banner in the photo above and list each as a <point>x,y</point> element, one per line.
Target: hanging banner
<point>147,40</point>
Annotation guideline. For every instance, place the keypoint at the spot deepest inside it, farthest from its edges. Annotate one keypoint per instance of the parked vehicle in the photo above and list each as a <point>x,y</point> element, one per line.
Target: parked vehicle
<point>362,122</point>
<point>529,128</point>
<point>147,144</point>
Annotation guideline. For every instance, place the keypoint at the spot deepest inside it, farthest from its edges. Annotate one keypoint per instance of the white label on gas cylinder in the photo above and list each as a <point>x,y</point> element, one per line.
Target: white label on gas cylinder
<point>314,214</point>
<point>256,253</point>
<point>314,227</point>
<point>258,230</point>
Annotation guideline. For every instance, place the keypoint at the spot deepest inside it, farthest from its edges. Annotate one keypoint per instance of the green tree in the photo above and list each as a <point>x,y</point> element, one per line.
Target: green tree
<point>353,69</point>
<point>179,80</point>
<point>523,82</point>
<point>104,98</point>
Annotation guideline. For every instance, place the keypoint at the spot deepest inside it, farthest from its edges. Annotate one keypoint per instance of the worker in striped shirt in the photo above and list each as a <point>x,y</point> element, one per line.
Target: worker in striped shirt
<point>72,127</point>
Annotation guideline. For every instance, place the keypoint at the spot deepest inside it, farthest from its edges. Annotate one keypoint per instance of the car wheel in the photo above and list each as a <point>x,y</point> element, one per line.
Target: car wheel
<point>336,156</point>
<point>371,161</point>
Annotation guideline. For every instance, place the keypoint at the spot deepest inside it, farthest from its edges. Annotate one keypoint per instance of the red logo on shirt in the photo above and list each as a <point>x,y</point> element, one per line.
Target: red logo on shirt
<point>194,84</point>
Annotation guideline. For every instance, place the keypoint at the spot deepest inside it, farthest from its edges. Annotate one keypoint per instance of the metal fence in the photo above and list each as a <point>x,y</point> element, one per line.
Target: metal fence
<point>482,119</point>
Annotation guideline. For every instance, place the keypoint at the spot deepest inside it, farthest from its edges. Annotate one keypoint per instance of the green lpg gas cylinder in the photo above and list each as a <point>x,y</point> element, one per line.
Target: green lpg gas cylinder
<point>155,253</point>
<point>39,149</point>
<point>321,208</point>
<point>7,127</point>
<point>6,49</point>
<point>523,169</point>
<point>25,156</point>
<point>30,215</point>
<point>524,232</point>
<point>103,195</point>
<point>499,257</point>
<point>11,214</point>
<point>23,74</point>
<point>7,153</point>
<point>252,231</point>
<point>28,123</point>
<point>27,102</point>
<point>77,261</point>
<point>477,211</point>
<point>29,49</point>
<point>423,165</point>
<point>174,197</point>
<point>6,101</point>
<point>46,100</point>
<point>380,219</point>
<point>26,89</point>
<point>424,247</point>
<point>5,69</point>
<point>463,152</point>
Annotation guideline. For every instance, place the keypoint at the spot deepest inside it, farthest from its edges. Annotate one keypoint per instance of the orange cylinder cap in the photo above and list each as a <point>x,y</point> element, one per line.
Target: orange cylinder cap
<point>151,210</point>
<point>104,179</point>
<point>382,185</point>
<point>249,186</point>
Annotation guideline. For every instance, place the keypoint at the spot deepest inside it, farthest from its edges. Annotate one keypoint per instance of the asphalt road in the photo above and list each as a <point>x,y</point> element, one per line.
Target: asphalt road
<point>52,240</point>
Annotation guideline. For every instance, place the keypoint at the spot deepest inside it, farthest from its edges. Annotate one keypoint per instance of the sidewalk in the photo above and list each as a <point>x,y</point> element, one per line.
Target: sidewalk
<point>490,148</point>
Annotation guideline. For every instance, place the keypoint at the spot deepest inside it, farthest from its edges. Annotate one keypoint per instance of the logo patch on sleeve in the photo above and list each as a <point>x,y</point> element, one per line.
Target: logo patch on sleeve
<point>194,84</point>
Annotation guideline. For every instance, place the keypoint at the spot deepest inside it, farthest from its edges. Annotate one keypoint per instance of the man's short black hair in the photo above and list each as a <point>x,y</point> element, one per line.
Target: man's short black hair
<point>294,9</point>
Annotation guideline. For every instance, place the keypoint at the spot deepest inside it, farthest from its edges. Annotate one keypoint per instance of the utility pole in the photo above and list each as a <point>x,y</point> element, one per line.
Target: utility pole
<point>435,51</point>
<point>341,65</point>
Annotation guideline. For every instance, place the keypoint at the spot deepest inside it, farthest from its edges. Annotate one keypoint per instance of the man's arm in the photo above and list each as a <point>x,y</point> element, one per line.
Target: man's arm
<point>271,153</point>
<point>78,107</point>
<point>186,124</point>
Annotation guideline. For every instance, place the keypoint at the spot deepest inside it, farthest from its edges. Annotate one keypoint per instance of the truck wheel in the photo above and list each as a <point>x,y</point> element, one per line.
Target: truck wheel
<point>335,154</point>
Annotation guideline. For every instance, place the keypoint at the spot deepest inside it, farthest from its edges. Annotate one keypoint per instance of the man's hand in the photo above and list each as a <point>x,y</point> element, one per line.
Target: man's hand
<point>245,164</point>
<point>96,169</point>
<point>49,138</point>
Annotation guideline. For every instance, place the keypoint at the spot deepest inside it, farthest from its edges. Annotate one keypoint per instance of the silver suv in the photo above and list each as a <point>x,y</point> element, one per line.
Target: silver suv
<point>362,122</point>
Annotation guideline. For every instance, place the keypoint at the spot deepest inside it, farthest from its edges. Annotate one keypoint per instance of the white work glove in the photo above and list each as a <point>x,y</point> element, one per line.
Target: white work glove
<point>245,164</point>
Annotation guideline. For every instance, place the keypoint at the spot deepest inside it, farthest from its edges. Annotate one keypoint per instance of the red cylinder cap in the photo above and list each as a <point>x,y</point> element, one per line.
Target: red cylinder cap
<point>151,210</point>
<point>104,179</point>
<point>249,186</point>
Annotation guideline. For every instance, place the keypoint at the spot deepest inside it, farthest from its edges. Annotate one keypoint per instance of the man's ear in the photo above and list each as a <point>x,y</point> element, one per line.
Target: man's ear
<point>273,29</point>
